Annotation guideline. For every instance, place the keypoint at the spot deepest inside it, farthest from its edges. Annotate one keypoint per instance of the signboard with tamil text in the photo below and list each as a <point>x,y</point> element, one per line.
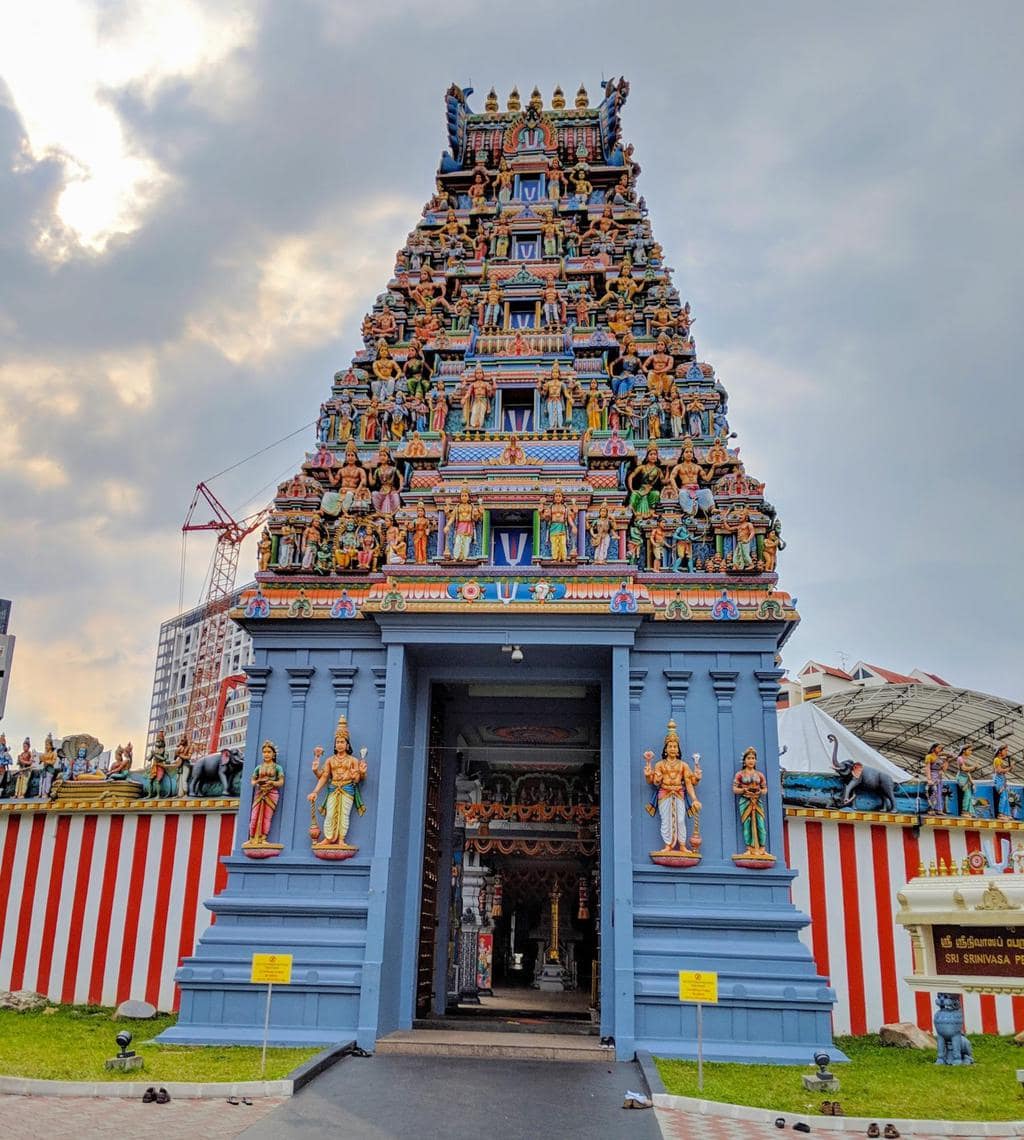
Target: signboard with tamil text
<point>983,950</point>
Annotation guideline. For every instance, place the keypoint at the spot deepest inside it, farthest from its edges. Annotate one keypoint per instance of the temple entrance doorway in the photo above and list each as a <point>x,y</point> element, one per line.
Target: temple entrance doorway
<point>509,924</point>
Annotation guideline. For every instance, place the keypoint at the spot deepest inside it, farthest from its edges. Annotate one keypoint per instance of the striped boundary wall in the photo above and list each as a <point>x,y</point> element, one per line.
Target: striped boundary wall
<point>126,893</point>
<point>849,873</point>
<point>100,908</point>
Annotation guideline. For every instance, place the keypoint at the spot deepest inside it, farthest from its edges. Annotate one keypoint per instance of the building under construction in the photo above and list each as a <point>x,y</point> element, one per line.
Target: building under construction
<point>175,668</point>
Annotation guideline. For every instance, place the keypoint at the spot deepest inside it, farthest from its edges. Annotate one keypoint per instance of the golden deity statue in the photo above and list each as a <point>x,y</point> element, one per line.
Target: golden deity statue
<point>675,798</point>
<point>344,772</point>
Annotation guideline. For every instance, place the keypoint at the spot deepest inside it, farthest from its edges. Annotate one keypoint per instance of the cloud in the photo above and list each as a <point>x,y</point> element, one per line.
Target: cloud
<point>838,196</point>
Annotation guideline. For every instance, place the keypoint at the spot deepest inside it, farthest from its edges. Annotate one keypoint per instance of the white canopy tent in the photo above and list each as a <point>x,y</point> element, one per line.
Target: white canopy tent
<point>803,735</point>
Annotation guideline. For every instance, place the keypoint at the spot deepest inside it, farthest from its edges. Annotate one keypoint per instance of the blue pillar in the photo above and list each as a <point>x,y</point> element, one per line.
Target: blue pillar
<point>724,683</point>
<point>768,687</point>
<point>622,859</point>
<point>380,864</point>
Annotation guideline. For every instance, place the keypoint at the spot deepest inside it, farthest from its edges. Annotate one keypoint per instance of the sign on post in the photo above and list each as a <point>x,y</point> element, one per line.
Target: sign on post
<point>699,986</point>
<point>273,969</point>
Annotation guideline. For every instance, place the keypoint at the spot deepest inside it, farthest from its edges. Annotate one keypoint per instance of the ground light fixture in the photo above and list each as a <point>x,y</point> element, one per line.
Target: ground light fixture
<point>517,654</point>
<point>822,1060</point>
<point>124,1039</point>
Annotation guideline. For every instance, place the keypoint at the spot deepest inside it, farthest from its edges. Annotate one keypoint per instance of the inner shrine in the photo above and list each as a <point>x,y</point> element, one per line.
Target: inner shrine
<point>512,735</point>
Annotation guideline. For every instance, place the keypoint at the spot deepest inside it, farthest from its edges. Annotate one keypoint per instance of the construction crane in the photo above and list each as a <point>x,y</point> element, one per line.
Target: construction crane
<point>202,722</point>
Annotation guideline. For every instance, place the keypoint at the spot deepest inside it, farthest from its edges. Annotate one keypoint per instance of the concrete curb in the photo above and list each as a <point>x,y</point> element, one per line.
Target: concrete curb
<point>182,1090</point>
<point>970,1128</point>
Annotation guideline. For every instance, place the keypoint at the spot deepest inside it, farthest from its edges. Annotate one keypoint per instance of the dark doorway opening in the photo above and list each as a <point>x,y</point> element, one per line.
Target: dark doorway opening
<point>510,911</point>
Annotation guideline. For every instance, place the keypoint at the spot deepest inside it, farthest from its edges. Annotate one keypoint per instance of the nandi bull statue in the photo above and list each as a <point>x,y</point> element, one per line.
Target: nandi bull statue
<point>858,778</point>
<point>953,1046</point>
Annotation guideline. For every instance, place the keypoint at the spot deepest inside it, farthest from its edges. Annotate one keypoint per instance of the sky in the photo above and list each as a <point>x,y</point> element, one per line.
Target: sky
<point>199,201</point>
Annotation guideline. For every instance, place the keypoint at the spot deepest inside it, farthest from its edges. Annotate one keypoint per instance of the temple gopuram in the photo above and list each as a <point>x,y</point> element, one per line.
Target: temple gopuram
<point>512,736</point>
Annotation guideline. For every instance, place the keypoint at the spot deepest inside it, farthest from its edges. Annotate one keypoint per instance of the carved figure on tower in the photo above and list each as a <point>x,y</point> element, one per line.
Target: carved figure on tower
<point>750,788</point>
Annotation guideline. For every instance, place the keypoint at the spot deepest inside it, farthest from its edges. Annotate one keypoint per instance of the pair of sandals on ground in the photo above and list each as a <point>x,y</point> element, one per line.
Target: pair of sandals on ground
<point>156,1096</point>
<point>834,1108</point>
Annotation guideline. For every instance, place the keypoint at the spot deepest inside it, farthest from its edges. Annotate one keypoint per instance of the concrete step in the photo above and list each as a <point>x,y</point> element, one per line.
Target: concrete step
<point>506,1046</point>
<point>510,1023</point>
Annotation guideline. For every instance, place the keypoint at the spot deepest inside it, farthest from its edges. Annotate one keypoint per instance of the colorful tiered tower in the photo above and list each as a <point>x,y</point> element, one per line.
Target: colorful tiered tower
<point>524,451</point>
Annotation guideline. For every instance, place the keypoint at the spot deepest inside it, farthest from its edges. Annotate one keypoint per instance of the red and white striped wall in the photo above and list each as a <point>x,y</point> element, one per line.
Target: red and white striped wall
<point>102,907</point>
<point>850,871</point>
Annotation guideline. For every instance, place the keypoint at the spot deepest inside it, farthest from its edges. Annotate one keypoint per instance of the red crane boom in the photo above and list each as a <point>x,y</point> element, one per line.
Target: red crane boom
<point>213,628</point>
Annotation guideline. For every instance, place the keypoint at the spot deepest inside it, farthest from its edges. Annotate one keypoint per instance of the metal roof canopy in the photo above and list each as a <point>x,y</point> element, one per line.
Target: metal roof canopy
<point>903,721</point>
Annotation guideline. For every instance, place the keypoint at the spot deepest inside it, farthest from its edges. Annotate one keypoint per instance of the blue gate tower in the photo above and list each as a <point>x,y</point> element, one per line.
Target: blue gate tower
<point>515,629</point>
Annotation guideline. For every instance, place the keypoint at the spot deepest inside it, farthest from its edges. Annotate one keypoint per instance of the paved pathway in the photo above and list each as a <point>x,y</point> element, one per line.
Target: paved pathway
<point>677,1125</point>
<point>82,1118</point>
<point>426,1098</point>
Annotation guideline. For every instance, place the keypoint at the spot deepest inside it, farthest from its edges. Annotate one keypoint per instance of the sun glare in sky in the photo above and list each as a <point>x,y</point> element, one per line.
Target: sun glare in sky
<point>65,62</point>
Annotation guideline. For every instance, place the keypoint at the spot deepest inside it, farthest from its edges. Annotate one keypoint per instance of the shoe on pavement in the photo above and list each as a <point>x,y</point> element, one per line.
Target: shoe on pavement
<point>874,1130</point>
<point>837,1109</point>
<point>163,1096</point>
<point>801,1126</point>
<point>891,1132</point>
<point>149,1095</point>
<point>233,1100</point>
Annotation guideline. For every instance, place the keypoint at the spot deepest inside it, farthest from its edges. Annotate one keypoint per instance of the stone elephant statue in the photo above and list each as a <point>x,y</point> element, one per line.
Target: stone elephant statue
<point>218,771</point>
<point>868,781</point>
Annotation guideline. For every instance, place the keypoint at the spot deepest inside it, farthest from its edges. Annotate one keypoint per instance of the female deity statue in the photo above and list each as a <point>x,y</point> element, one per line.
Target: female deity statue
<point>267,782</point>
<point>595,402</point>
<point>750,787</point>
<point>1001,764</point>
<point>626,370</point>
<point>644,483</point>
<point>386,483</point>
<point>966,766</point>
<point>417,372</point>
<point>421,529</point>
<point>935,762</point>
<point>265,545</point>
<point>675,795</point>
<point>24,770</point>
<point>601,534</point>
<point>438,404</point>
<point>344,773</point>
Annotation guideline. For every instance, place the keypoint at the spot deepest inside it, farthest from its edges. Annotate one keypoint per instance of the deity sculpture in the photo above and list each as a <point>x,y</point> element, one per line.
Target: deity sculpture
<point>422,526</point>
<point>344,773</point>
<point>476,400</point>
<point>674,798</point>
<point>626,370</point>
<point>6,761</point>
<point>122,764</point>
<point>351,481</point>
<point>658,368</point>
<point>464,517</point>
<point>264,549</point>
<point>180,767</point>
<point>48,764</point>
<point>385,371</point>
<point>644,483</point>
<point>743,528</point>
<point>1001,765</point>
<point>750,787</point>
<point>601,533</point>
<point>594,404</point>
<point>935,762</point>
<point>966,766</point>
<point>24,770</point>
<point>684,482</point>
<point>267,781</point>
<point>561,522</point>
<point>557,398</point>
<point>551,309</point>
<point>155,769</point>
<point>437,403</point>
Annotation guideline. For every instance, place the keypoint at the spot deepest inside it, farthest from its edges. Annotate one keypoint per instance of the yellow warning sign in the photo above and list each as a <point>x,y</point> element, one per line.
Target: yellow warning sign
<point>698,985</point>
<point>274,968</point>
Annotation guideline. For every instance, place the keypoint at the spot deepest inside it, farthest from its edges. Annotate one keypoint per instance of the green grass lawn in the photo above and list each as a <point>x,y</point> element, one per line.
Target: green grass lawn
<point>880,1081</point>
<point>71,1043</point>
